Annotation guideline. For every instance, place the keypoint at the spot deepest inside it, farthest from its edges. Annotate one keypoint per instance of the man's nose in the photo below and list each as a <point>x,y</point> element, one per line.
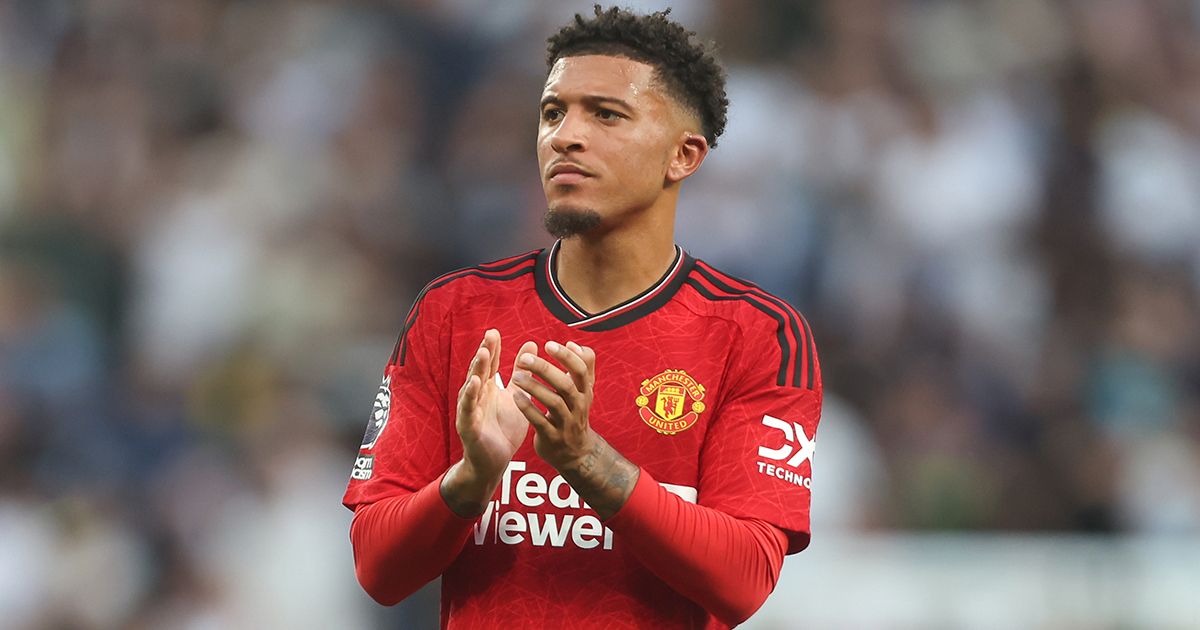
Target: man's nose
<point>570,135</point>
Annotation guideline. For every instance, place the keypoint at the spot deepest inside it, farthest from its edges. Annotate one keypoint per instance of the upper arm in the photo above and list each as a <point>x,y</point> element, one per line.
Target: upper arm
<point>404,446</point>
<point>756,462</point>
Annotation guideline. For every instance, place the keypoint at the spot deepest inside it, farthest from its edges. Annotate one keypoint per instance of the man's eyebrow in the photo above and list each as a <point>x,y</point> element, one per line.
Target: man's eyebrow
<point>590,99</point>
<point>606,100</point>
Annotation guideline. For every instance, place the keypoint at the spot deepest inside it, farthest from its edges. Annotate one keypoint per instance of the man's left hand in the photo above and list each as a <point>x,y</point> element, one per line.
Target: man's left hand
<point>563,434</point>
<point>564,438</point>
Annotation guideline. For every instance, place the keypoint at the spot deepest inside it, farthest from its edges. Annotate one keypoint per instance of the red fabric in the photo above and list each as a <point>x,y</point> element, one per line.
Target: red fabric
<point>754,464</point>
<point>403,542</point>
<point>732,371</point>
<point>725,564</point>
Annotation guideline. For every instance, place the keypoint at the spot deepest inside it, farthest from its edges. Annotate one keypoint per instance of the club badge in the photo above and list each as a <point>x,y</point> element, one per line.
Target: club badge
<point>670,402</point>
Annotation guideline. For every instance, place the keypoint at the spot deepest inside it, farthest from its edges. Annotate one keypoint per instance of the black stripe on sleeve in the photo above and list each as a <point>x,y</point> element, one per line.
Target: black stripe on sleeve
<point>810,354</point>
<point>503,263</point>
<point>500,272</point>
<point>784,344</point>
<point>795,323</point>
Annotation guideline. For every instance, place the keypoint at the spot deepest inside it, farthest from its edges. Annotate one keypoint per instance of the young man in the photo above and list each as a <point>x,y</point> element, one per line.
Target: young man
<point>646,459</point>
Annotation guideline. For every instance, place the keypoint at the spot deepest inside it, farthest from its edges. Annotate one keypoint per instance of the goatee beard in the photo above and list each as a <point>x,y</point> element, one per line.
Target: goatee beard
<point>572,222</point>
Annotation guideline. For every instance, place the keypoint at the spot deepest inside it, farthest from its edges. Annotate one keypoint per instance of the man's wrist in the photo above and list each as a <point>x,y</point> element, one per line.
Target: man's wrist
<point>466,491</point>
<point>602,476</point>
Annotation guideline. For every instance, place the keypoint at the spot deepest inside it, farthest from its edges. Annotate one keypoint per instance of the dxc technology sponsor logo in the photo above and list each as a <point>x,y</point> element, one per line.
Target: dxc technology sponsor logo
<point>797,448</point>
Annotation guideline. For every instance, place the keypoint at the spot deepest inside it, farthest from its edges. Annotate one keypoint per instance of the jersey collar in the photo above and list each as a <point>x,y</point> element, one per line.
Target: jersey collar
<point>560,304</point>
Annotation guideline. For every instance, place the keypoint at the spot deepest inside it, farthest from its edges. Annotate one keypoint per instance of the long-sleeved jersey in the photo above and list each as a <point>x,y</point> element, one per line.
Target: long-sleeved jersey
<point>707,382</point>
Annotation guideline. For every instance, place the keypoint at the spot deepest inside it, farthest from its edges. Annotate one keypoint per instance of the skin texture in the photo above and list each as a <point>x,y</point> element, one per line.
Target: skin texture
<point>601,475</point>
<point>490,426</point>
<point>636,144</point>
<point>630,145</point>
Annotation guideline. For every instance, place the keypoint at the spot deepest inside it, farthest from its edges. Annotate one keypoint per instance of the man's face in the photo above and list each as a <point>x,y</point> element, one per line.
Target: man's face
<point>607,134</point>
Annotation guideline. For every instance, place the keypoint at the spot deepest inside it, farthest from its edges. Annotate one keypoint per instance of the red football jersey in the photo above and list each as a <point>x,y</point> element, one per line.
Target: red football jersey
<point>709,383</point>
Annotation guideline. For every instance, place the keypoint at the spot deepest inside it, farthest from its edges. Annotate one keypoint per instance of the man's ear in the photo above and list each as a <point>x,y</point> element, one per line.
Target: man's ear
<point>689,154</point>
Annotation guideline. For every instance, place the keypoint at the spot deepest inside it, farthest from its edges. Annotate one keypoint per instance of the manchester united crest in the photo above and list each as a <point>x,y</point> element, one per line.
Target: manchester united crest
<point>670,402</point>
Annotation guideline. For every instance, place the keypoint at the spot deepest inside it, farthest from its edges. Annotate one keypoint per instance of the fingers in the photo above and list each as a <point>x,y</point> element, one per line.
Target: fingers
<point>589,359</point>
<point>550,399</point>
<point>472,388</point>
<point>481,364</point>
<point>528,347</point>
<point>468,399</point>
<point>540,422</point>
<point>491,341</point>
<point>570,357</point>
<point>558,380</point>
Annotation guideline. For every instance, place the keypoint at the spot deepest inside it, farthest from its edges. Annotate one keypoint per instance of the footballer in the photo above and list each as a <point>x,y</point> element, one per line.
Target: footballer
<point>607,432</point>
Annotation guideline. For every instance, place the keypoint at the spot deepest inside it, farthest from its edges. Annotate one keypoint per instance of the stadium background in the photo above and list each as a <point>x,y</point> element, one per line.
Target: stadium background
<point>214,215</point>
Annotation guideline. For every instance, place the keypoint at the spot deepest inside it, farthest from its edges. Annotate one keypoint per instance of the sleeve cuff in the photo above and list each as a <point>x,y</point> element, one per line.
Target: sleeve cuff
<point>640,502</point>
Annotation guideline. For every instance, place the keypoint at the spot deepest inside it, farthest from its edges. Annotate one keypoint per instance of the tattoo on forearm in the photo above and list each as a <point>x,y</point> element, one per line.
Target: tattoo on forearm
<point>588,463</point>
<point>604,478</point>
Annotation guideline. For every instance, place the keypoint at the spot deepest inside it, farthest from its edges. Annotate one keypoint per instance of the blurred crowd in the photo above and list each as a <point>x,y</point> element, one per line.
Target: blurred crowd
<point>214,215</point>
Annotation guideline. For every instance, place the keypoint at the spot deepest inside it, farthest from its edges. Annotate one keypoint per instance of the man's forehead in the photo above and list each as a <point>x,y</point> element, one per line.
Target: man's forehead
<point>602,75</point>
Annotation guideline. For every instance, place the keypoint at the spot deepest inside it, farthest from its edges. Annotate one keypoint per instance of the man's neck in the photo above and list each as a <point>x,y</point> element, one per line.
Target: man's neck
<point>601,272</point>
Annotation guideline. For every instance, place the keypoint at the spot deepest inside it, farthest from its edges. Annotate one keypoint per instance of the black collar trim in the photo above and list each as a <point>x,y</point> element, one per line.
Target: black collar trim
<point>560,304</point>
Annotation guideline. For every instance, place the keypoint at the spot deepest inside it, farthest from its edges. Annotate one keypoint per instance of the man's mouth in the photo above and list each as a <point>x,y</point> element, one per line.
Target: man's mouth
<point>568,174</point>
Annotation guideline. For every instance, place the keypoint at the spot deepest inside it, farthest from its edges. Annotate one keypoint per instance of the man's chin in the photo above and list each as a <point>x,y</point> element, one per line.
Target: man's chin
<point>567,222</point>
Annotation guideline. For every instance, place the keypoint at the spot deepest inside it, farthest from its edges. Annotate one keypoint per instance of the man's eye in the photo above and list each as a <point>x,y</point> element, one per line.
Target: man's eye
<point>608,114</point>
<point>552,114</point>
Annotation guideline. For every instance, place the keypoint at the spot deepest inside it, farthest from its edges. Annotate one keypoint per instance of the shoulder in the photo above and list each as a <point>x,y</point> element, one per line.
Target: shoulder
<point>755,309</point>
<point>768,323</point>
<point>468,282</point>
<point>447,294</point>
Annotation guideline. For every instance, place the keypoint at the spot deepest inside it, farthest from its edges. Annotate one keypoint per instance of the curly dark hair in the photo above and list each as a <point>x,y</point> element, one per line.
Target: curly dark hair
<point>684,65</point>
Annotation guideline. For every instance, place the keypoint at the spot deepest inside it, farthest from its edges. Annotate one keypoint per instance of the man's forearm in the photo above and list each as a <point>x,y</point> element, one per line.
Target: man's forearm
<point>603,477</point>
<point>403,542</point>
<point>725,564</point>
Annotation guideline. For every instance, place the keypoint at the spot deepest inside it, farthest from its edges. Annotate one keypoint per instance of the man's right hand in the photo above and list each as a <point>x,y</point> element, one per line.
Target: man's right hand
<point>491,428</point>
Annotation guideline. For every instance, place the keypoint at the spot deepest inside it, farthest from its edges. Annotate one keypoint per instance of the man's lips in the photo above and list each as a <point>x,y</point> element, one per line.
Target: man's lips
<point>568,174</point>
